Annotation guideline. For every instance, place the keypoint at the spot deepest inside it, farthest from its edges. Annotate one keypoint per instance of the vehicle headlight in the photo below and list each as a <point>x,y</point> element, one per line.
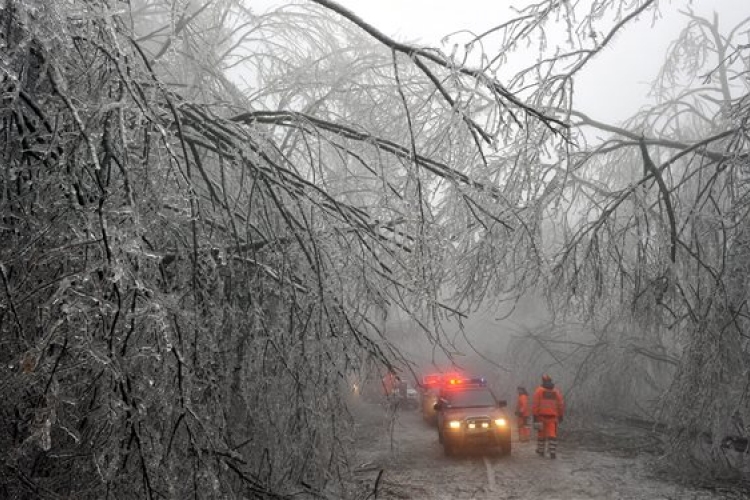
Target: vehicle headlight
<point>500,422</point>
<point>454,424</point>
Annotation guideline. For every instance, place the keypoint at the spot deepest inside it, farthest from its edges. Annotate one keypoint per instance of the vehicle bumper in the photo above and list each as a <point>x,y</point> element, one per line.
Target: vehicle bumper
<point>484,438</point>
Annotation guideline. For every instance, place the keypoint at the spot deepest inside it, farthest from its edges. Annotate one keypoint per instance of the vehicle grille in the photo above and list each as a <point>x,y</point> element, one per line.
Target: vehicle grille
<point>477,422</point>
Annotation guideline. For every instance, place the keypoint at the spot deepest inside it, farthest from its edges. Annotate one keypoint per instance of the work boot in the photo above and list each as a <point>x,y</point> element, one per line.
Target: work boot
<point>552,447</point>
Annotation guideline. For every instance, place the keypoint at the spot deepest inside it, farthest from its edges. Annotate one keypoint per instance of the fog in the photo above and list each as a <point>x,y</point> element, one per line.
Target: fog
<point>218,219</point>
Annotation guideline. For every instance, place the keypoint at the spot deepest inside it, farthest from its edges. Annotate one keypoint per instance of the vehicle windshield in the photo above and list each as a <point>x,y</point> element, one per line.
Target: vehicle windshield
<point>469,399</point>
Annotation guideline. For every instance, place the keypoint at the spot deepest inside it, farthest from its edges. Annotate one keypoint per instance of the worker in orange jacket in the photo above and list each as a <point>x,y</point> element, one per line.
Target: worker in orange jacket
<point>523,412</point>
<point>548,409</point>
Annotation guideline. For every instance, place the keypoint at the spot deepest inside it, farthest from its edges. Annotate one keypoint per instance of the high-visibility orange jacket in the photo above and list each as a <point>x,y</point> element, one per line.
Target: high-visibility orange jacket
<point>547,402</point>
<point>522,405</point>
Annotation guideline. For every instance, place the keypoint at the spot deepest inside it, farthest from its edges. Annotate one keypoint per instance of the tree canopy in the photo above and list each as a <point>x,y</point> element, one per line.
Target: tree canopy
<point>207,214</point>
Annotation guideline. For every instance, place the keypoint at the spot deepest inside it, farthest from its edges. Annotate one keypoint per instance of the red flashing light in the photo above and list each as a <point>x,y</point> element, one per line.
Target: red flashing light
<point>432,380</point>
<point>443,380</point>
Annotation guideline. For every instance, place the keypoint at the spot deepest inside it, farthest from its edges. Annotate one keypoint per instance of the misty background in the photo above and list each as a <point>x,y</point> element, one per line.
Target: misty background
<point>215,216</point>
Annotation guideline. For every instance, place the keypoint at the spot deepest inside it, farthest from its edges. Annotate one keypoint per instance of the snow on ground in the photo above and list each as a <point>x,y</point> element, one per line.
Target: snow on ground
<point>414,467</point>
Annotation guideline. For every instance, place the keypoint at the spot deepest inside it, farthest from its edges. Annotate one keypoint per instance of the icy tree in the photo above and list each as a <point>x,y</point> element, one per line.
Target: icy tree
<point>206,214</point>
<point>647,239</point>
<point>192,266</point>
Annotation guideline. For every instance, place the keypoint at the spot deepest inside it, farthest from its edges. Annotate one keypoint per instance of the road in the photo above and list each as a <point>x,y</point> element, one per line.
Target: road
<point>414,467</point>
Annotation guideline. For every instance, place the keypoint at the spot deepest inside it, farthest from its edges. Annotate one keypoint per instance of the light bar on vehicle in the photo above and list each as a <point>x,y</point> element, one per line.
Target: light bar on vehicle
<point>477,381</point>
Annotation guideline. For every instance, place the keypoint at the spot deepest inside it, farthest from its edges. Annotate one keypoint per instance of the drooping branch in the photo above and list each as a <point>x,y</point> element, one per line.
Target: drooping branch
<point>698,147</point>
<point>302,120</point>
<point>650,167</point>
<point>492,84</point>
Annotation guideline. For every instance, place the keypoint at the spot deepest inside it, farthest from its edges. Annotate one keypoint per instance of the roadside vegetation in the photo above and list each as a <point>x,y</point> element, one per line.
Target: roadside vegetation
<point>208,214</point>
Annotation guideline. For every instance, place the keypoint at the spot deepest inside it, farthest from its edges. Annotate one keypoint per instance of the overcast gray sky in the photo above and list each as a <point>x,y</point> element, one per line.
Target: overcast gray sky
<point>616,83</point>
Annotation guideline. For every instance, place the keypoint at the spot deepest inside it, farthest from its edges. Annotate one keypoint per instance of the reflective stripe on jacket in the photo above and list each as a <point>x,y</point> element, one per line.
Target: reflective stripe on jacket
<point>547,402</point>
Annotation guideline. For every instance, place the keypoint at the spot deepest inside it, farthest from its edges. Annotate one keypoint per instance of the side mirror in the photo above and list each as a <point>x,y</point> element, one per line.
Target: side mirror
<point>501,403</point>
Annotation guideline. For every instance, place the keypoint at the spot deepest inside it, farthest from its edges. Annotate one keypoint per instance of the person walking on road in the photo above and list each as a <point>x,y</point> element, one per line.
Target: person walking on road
<point>523,412</point>
<point>547,409</point>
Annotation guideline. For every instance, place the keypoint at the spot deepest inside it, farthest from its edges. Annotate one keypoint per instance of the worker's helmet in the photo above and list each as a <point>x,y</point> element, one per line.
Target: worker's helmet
<point>546,378</point>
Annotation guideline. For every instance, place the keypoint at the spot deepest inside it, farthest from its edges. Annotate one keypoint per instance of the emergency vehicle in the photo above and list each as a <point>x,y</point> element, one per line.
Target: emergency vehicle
<point>470,416</point>
<point>430,389</point>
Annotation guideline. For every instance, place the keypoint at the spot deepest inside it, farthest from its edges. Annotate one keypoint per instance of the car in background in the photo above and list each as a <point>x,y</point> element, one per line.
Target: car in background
<point>470,416</point>
<point>405,396</point>
<point>399,393</point>
<point>411,401</point>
